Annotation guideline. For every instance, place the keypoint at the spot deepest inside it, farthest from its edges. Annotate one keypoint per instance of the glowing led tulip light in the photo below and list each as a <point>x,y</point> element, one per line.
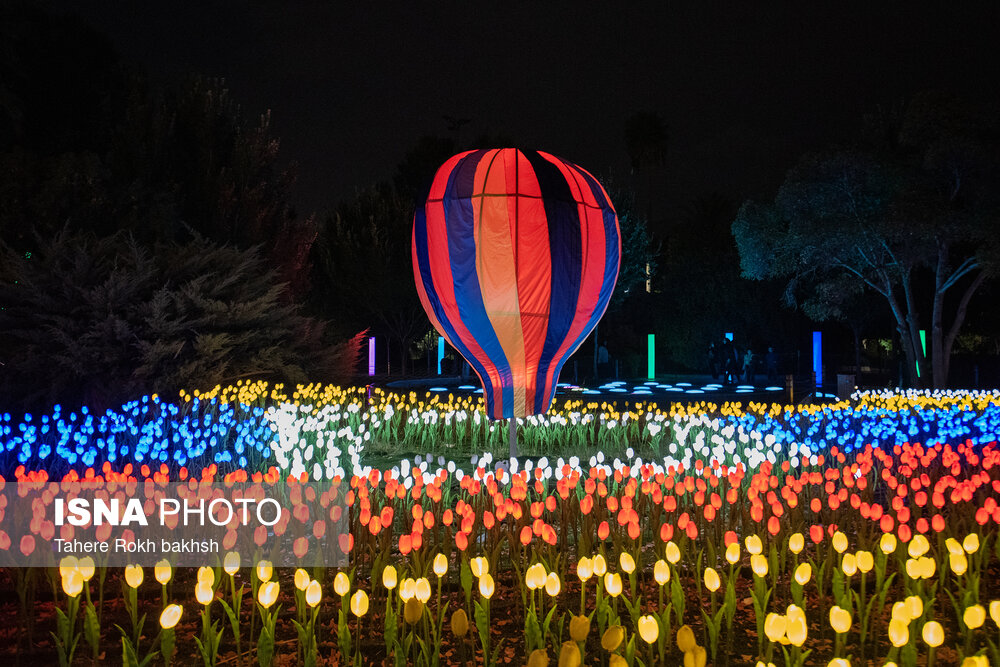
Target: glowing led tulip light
<point>371,356</point>
<point>817,357</point>
<point>651,351</point>
<point>440,353</point>
<point>755,479</point>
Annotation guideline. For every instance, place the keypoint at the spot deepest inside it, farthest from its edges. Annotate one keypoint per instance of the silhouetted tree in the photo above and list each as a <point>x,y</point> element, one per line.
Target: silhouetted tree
<point>913,225</point>
<point>646,142</point>
<point>364,271</point>
<point>700,294</point>
<point>99,320</point>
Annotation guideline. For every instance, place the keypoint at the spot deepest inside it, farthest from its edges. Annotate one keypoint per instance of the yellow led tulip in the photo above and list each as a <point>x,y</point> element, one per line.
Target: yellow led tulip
<point>204,594</point>
<point>486,586</point>
<point>479,566</point>
<point>803,573</point>
<point>264,570</point>
<point>170,616</point>
<point>673,553</point>
<point>733,553</point>
<point>959,563</point>
<point>712,581</point>
<point>685,638</point>
<point>459,623</point>
<point>600,565</point>
<point>613,584</point>
<point>839,542</point>
<point>627,562</point>
<point>584,568</point>
<point>341,584</point>
<point>995,611</point>
<point>976,661</point>
<point>538,658</point>
<point>314,593</point>
<point>840,619</point>
<point>267,594</point>
<point>759,565</point>
<point>231,564</point>
<point>971,543</point>
<point>133,576</point>
<point>389,577</point>
<point>974,616</point>
<point>754,545</point>
<point>661,572</point>
<point>206,576</point>
<point>649,629</point>
<point>932,633</point>
<point>849,565</point>
<point>534,576</point>
<point>162,571</point>
<point>775,626</point>
<point>865,561</point>
<point>413,610</point>
<point>839,662</point>
<point>797,630</point>
<point>953,546</point>
<point>569,655</point>
<point>440,565</point>
<point>422,589</point>
<point>72,583</point>
<point>887,544</point>
<point>796,542</point>
<point>579,628</point>
<point>615,660</point>
<point>613,637</point>
<point>407,589</point>
<point>552,584</point>
<point>914,606</point>
<point>301,579</point>
<point>926,566</point>
<point>68,563</point>
<point>359,603</point>
<point>87,568</point>
<point>696,657</point>
<point>899,632</point>
<point>918,546</point>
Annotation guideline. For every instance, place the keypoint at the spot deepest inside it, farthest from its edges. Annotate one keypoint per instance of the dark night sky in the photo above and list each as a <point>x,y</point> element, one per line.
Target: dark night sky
<point>744,87</point>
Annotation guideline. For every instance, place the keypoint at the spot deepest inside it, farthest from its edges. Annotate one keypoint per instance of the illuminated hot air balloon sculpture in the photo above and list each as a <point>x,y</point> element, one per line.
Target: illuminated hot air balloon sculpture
<point>515,256</point>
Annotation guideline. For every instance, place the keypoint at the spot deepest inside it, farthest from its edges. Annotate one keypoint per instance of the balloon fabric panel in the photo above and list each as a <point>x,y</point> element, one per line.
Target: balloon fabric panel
<point>515,258</point>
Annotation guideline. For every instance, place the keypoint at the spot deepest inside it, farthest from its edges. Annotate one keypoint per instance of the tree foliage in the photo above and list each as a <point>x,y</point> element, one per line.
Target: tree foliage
<point>104,319</point>
<point>363,270</point>
<point>914,221</point>
<point>699,294</point>
<point>86,141</point>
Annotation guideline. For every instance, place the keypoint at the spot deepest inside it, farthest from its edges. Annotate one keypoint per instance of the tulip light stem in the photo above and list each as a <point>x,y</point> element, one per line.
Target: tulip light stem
<point>357,642</point>
<point>863,610</point>
<point>237,603</point>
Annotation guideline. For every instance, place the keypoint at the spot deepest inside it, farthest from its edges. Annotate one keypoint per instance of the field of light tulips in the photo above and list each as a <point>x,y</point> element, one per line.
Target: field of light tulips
<point>856,533</point>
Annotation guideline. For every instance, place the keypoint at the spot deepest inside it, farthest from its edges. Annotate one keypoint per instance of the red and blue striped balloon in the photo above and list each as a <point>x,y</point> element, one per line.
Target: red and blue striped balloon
<point>515,256</point>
